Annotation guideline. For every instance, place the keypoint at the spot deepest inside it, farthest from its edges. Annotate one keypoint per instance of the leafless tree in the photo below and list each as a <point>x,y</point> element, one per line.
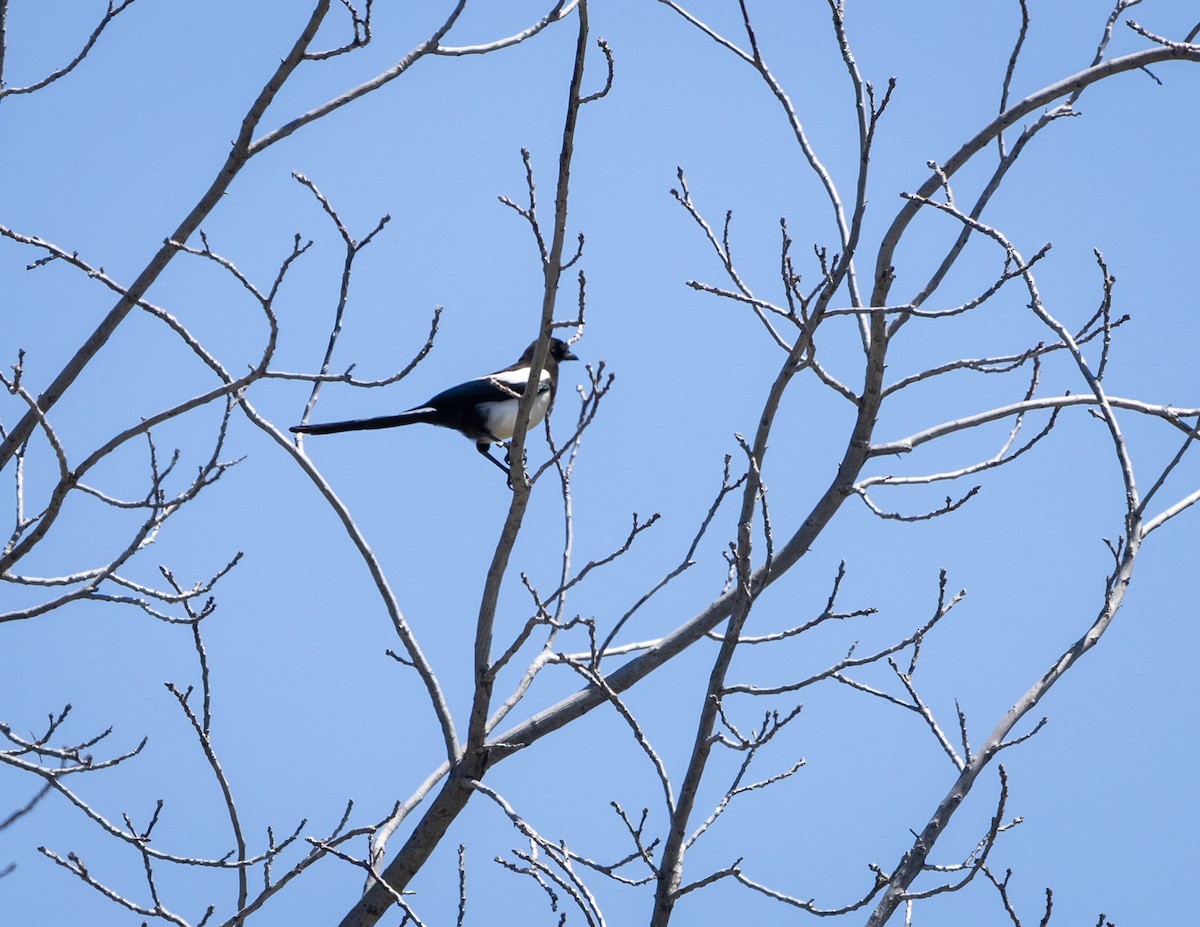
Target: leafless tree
<point>829,326</point>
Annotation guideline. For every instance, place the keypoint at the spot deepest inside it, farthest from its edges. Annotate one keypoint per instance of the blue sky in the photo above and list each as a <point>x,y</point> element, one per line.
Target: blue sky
<point>308,711</point>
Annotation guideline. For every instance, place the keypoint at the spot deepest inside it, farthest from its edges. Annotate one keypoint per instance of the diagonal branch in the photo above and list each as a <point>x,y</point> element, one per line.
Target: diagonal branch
<point>240,152</point>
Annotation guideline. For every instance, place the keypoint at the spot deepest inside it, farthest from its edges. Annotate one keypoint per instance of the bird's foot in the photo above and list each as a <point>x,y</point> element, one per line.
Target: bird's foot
<point>515,465</point>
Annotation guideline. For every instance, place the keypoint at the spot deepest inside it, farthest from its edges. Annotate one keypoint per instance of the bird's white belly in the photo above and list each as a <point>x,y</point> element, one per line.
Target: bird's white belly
<point>500,418</point>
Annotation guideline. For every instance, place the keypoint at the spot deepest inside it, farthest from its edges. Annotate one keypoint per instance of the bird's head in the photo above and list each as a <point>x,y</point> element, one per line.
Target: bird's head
<point>559,351</point>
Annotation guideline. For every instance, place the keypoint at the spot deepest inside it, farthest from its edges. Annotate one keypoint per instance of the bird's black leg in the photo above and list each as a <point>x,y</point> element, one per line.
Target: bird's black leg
<point>512,464</point>
<point>486,451</point>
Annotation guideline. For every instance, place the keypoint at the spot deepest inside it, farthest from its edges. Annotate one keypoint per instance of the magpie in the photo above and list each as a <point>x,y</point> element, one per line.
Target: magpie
<point>483,409</point>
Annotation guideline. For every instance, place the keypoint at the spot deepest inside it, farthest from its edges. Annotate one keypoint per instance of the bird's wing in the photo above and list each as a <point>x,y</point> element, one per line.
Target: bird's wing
<point>514,380</point>
<point>497,387</point>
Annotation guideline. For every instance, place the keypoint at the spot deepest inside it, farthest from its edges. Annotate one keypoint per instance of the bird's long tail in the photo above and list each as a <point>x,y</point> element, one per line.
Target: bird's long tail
<point>411,417</point>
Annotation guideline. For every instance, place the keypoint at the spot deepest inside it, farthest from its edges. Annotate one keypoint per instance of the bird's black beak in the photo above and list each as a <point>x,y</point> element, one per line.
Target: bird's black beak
<point>567,355</point>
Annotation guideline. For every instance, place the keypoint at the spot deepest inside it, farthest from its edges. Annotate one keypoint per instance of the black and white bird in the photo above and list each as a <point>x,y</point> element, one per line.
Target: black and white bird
<point>484,409</point>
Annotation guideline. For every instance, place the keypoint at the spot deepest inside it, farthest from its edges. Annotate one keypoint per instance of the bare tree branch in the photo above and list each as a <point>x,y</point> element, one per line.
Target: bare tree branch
<point>114,10</point>
<point>239,154</point>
